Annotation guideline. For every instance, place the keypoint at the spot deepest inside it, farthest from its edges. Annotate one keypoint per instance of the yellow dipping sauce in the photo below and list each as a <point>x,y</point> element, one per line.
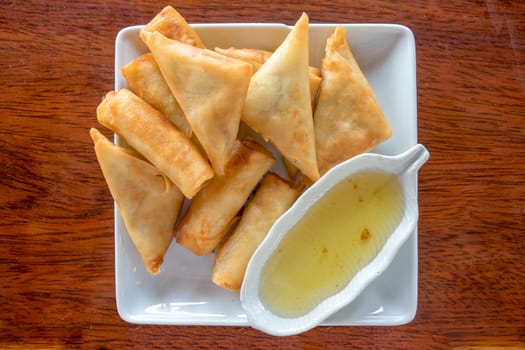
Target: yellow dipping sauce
<point>338,236</point>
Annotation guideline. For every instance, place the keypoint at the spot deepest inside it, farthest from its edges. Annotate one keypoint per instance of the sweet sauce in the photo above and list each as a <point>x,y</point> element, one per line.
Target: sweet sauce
<point>338,236</point>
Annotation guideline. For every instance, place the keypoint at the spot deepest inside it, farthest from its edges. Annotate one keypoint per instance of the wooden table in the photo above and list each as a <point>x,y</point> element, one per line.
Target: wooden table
<point>57,274</point>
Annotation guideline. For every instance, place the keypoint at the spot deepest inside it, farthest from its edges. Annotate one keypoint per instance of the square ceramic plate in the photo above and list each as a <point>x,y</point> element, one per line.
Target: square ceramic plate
<point>183,294</point>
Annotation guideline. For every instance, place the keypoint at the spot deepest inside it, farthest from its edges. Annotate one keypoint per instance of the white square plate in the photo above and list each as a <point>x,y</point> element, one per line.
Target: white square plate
<point>183,294</point>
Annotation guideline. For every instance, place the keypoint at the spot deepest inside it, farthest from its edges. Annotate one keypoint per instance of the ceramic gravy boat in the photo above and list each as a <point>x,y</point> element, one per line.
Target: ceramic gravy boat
<point>405,167</point>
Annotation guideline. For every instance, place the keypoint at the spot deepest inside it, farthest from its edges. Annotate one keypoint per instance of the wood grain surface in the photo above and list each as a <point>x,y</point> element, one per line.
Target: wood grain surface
<point>57,288</point>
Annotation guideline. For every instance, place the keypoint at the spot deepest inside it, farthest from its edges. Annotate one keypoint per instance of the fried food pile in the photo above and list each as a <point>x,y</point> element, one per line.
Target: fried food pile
<point>185,119</point>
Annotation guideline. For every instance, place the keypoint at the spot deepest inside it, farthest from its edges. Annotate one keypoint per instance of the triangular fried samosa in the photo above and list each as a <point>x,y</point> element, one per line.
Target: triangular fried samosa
<point>210,89</point>
<point>348,119</point>
<point>278,104</point>
<point>147,200</point>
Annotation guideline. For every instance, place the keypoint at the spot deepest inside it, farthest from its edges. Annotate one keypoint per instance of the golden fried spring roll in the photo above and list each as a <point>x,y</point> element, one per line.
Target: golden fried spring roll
<point>348,119</point>
<point>215,207</point>
<point>273,197</point>
<point>156,138</point>
<point>257,57</point>
<point>210,89</point>
<point>278,104</point>
<point>170,23</point>
<point>147,200</point>
<point>146,81</point>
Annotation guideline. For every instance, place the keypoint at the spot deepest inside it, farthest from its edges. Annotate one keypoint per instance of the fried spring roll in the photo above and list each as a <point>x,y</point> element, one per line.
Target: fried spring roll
<point>147,200</point>
<point>214,208</point>
<point>271,200</point>
<point>157,139</point>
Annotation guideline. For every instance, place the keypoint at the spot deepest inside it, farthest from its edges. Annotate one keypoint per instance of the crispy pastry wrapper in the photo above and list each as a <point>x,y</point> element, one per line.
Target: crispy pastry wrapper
<point>147,200</point>
<point>215,207</point>
<point>257,57</point>
<point>273,197</point>
<point>210,88</point>
<point>156,138</point>
<point>348,119</point>
<point>170,23</point>
<point>278,104</point>
<point>146,81</point>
